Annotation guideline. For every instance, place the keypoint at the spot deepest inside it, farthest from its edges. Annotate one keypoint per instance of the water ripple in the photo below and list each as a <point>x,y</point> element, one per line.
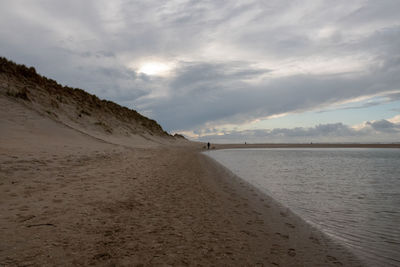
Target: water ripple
<point>351,194</point>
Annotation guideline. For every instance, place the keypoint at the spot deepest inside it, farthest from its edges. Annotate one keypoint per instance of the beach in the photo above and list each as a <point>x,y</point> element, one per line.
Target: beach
<point>156,206</point>
<point>199,133</point>
<point>68,198</point>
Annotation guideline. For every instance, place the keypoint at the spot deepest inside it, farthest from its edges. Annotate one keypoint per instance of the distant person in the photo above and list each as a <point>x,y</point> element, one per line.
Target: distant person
<point>208,145</point>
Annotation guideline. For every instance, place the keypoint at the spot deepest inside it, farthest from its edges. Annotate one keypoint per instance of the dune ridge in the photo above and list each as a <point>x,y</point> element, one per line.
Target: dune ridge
<point>77,108</point>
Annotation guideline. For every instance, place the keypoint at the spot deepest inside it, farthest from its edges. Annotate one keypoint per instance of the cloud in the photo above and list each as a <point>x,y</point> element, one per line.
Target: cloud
<point>234,62</point>
<point>384,126</point>
<point>378,131</point>
<point>367,102</point>
<point>205,94</point>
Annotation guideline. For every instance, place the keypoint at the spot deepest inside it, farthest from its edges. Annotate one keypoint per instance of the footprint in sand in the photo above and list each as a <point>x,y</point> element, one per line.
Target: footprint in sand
<point>290,225</point>
<point>291,252</point>
<point>282,235</point>
<point>102,256</point>
<point>333,260</point>
<point>314,240</point>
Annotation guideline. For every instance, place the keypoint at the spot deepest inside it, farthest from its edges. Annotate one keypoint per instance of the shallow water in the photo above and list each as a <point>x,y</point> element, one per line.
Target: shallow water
<point>352,194</point>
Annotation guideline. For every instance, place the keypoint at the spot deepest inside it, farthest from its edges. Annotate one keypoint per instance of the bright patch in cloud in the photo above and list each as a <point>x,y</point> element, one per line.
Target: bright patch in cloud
<point>395,119</point>
<point>155,68</point>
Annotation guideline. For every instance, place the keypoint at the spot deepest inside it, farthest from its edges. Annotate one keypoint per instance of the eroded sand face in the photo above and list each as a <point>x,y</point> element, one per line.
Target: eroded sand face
<point>69,199</point>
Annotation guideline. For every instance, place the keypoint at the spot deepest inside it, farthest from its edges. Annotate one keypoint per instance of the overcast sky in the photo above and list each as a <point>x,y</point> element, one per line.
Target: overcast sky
<point>224,71</point>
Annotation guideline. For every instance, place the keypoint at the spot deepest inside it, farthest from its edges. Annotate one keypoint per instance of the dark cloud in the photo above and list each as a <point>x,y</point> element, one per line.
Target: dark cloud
<point>371,12</point>
<point>393,96</point>
<point>384,126</point>
<point>210,94</point>
<point>381,99</point>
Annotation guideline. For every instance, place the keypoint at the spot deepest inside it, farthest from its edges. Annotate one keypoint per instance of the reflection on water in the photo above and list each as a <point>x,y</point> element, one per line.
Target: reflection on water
<point>350,194</point>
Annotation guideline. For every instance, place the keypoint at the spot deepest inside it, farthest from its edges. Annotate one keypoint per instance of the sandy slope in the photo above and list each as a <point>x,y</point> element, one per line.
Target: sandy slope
<point>67,198</point>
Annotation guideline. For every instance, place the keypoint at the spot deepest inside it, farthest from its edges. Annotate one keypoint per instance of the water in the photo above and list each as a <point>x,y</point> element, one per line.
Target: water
<point>352,195</point>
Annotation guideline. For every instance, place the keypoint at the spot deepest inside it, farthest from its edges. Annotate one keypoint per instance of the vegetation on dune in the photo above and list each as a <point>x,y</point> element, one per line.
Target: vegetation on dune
<point>179,136</point>
<point>32,85</point>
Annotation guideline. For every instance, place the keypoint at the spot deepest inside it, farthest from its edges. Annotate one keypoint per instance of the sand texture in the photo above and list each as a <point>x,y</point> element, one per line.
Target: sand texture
<point>70,199</point>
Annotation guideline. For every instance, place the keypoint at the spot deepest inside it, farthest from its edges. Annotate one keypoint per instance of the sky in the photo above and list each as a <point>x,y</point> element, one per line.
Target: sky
<point>224,71</point>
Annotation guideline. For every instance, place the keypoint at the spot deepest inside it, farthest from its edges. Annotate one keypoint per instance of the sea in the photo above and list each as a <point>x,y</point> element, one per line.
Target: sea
<point>351,194</point>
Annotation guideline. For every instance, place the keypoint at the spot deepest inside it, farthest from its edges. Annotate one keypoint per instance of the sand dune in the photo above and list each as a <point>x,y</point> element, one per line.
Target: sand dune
<point>72,193</point>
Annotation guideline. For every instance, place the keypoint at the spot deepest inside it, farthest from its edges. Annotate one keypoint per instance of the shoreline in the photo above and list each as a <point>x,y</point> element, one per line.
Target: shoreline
<point>363,238</point>
<point>288,225</point>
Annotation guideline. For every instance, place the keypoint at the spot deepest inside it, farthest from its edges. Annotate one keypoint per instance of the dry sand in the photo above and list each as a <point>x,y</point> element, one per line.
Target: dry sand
<point>67,198</point>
